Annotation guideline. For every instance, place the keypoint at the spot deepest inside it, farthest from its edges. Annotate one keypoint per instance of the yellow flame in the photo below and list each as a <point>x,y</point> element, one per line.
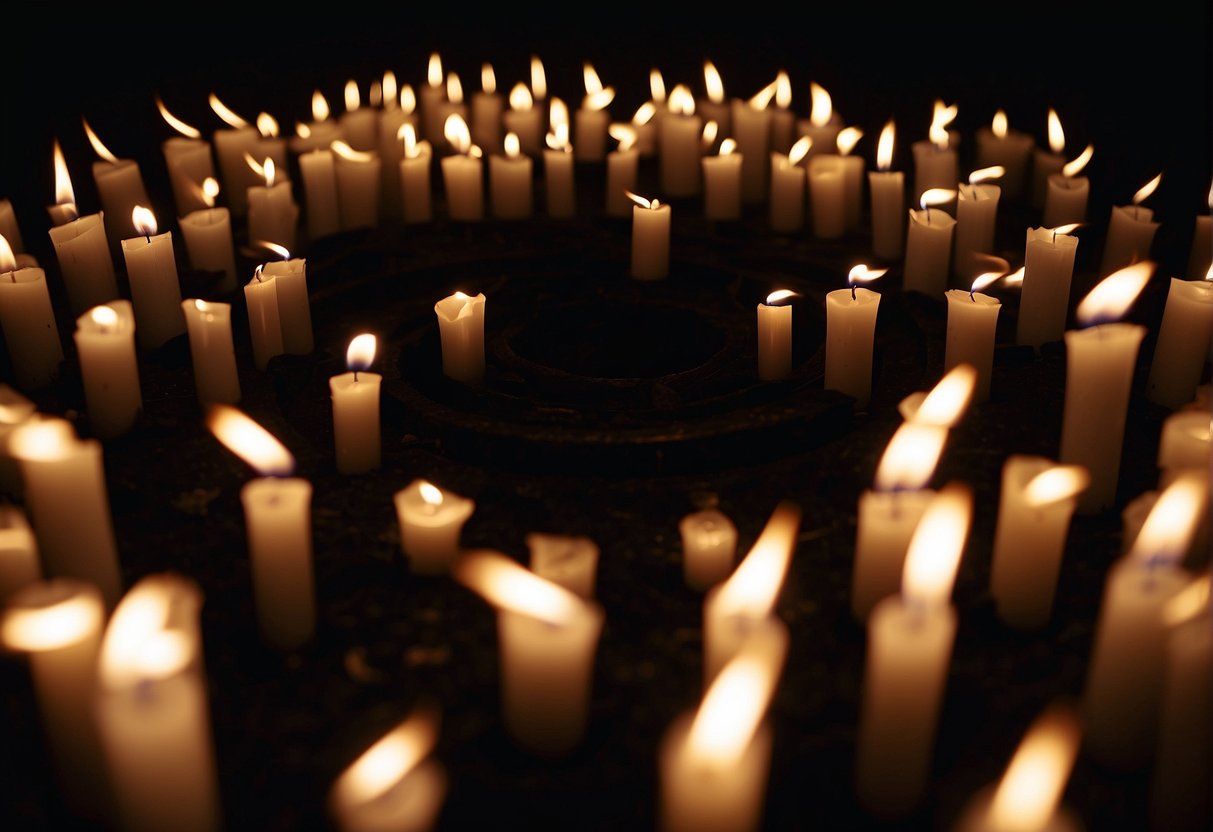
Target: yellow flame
<point>821,106</point>
<point>986,174</point>
<point>144,220</point>
<point>386,763</point>
<point>1057,136</point>
<point>360,354</point>
<point>799,150</point>
<point>625,134</point>
<point>1052,485</point>
<point>681,101</point>
<point>457,133</point>
<point>780,295</point>
<point>349,154</point>
<point>713,83</point>
<point>1146,190</point>
<point>644,114</point>
<point>599,100</point>
<point>590,78</point>
<point>1190,602</point>
<point>911,456</point>
<point>8,261</point>
<point>390,89</point>
<point>434,70</point>
<point>513,147</point>
<point>1067,229</point>
<point>210,190</point>
<point>999,125</point>
<point>984,281</point>
<point>302,130</point>
<point>941,117</point>
<point>270,172</point>
<point>862,274</point>
<point>431,494</point>
<point>539,79</point>
<point>1014,280</point>
<point>1113,295</point>
<point>1031,788</point>
<point>507,585</point>
<point>454,89</point>
<point>1169,526</point>
<point>42,440</point>
<point>654,203</point>
<point>353,100</point>
<point>947,401</point>
<point>783,90</point>
<point>51,615</point>
<point>732,709</point>
<point>936,196</point>
<point>225,114</point>
<point>1073,168</point>
<point>848,137</point>
<point>153,632</point>
<point>273,248</point>
<point>710,131</point>
<point>104,317</point>
<point>884,147</point>
<point>656,86</point>
<point>408,99</point>
<point>249,441</point>
<point>320,106</point>
<point>98,148</point>
<point>267,126</point>
<point>488,79</point>
<point>935,549</point>
<point>754,586</point>
<point>728,146</point>
<point>202,306</point>
<point>762,98</point>
<point>177,124</point>
<point>64,194</point>
<point>520,97</point>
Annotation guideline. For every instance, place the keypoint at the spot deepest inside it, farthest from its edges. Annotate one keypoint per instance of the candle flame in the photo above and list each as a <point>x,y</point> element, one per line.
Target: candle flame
<point>408,99</point>
<point>302,130</point>
<point>209,191</point>
<point>454,89</point>
<point>539,79</point>
<point>653,204</point>
<point>625,134</point>
<point>1191,601</point>
<point>513,147</point>
<point>599,100</point>
<point>44,440</point>
<point>360,354</point>
<point>1057,136</point>
<point>430,493</point>
<point>949,399</point>
<point>937,545</point>
<point>985,281</point>
<point>249,441</point>
<point>267,126</point>
<point>386,763</point>
<point>821,106</point>
<point>266,170</point>
<point>998,126</point>
<point>434,70</point>
<point>728,147</point>
<point>98,148</point>
<point>713,83</point>
<point>64,194</point>
<point>8,261</point>
<point>1074,167</point>
<point>320,106</point>
<point>349,154</point>
<point>754,586</point>
<point>1060,482</point>
<point>656,86</point>
<point>783,90</point>
<point>103,316</point>
<point>177,124</point>
<point>488,79</point>
<point>273,248</point>
<point>762,98</point>
<point>225,114</point>
<point>862,274</point>
<point>1067,229</point>
<point>507,585</point>
<point>848,137</point>
<point>389,89</point>
<point>408,134</point>
<point>520,98</point>
<point>644,114</point>
<point>353,100</point>
<point>884,147</point>
<point>144,220</point>
<point>780,295</point>
<point>1113,295</point>
<point>910,458</point>
<point>986,174</point>
<point>51,615</point>
<point>153,633</point>
<point>1168,529</point>
<point>734,706</point>
<point>710,131</point>
<point>941,117</point>
<point>799,150</point>
<point>936,196</point>
<point>456,131</point>
<point>681,101</point>
<point>1031,788</point>
<point>1147,190</point>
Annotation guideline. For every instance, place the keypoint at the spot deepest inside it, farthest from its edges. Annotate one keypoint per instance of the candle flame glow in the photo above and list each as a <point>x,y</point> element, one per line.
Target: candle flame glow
<point>98,148</point>
<point>780,295</point>
<point>103,316</point>
<point>263,169</point>
<point>408,134</point>
<point>209,191</point>
<point>910,458</point>
<point>1191,601</point>
<point>513,147</point>
<point>1057,136</point>
<point>177,124</point>
<point>941,117</point>
<point>984,281</point>
<point>434,70</point>
<point>733,707</point>
<point>507,585</point>
<point>937,545</point>
<point>320,106</point>
<point>625,134</point>
<point>1030,789</point>
<point>390,90</point>
<point>360,354</point>
<point>710,131</point>
<point>783,90</point>
<point>1075,166</point>
<point>1168,529</point>
<point>821,106</point>
<point>42,439</point>
<point>454,89</point>
<point>457,134</point>
<point>267,126</point>
<point>386,763</point>
<point>1113,295</point>
<point>8,261</point>
<point>353,100</point>
<point>653,204</point>
<point>644,114</point>
<point>935,196</point>
<point>520,98</point>
<point>302,130</point>
<point>799,150</point>
<point>754,586</point>
<point>656,86</point>
<point>152,633</point>
<point>728,147</point>
<point>1054,484</point>
<point>681,101</point>
<point>848,137</point>
<point>862,274</point>
<point>539,79</point>
<point>1067,229</point>
<point>349,154</point>
<point>249,441</point>
<point>949,399</point>
<point>998,126</point>
<point>986,174</point>
<point>589,75</point>
<point>762,99</point>
<point>273,248</point>
<point>51,615</point>
<point>713,83</point>
<point>64,194</point>
<point>884,147</point>
<point>431,494</point>
<point>488,79</point>
<point>408,99</point>
<point>144,220</point>
<point>224,112</point>
<point>1147,190</point>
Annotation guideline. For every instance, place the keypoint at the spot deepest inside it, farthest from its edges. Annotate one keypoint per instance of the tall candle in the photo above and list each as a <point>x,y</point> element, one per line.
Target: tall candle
<point>722,183</point>
<point>461,331</point>
<point>929,245</point>
<point>272,212</point>
<point>592,118</point>
<point>453,104</point>
<point>1184,338</point>
<point>1046,163</point>
<point>431,520</point>
<point>19,562</point>
<point>212,354</point>
<point>417,201</point>
<point>525,119</point>
<point>775,336</point>
<point>84,260</point>
<point>188,159</point>
<point>1009,149</point>
<point>976,213</point>
<point>1200,259</point>
<point>972,323</point>
<point>358,124</point>
<point>265,326</point>
<point>709,545</point>
<point>823,124</point>
<point>751,128</point>
<point>277,517</point>
<point>788,181</point>
<point>289,277</point>
<point>935,160</point>
<point>358,183</point>
<point>570,562</point>
<point>1130,231</point>
<point>1044,298</point>
<point>433,96</point>
<point>28,321</point>
<point>679,139</point>
<point>650,239</point>
<point>356,409</point>
<point>318,168</point>
<point>888,197</point>
<point>155,290</point>
<point>511,191</point>
<point>1066,197</point>
<point>463,174</point>
<point>231,145</point>
<point>105,345</point>
<point>714,106</point>
<point>623,170</point>
<point>487,110</point>
<point>850,332</point>
<point>120,187</point>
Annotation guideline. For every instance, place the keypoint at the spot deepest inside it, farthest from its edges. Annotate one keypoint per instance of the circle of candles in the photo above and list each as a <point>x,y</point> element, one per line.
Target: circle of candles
<point>570,562</point>
<point>775,336</point>
<point>461,333</point>
<point>709,545</point>
<point>155,290</point>
<point>105,345</point>
<point>212,353</point>
<point>850,330</point>
<point>1182,349</point>
<point>431,520</point>
<point>1044,297</point>
<point>356,409</point>
<point>28,321</point>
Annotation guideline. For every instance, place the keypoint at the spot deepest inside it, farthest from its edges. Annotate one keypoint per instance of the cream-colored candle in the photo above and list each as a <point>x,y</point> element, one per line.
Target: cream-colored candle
<point>1130,231</point>
<point>1066,197</point>
<point>155,289</point>
<point>524,119</point>
<point>679,139</point>
<point>120,187</point>
<point>850,333</point>
<point>84,260</point>
<point>1185,444</point>
<point>28,321</point>
<point>231,145</point>
<point>592,119</point>
<point>461,331</point>
<point>558,179</point>
<point>1100,361</point>
<point>64,210</point>
<point>265,326</point>
<point>910,638</point>
<point>453,104</point>
<point>1045,163</point>
<point>887,188</point>
<point>852,176</point>
<point>416,199</point>
<point>358,182</point>
<point>358,124</point>
<point>318,167</point>
<point>431,520</point>
<point>570,562</point>
<point>722,183</point>
<point>709,546</point>
<point>356,409</point>
<point>289,276</point>
<point>208,241</point>
<point>823,124</point>
<point>935,159</point>
<point>19,563</point>
<point>972,324</point>
<point>1034,510</point>
<point>1200,258</point>
<point>788,181</point>
<point>152,710</point>
<point>827,196</point>
<point>272,212</point>
<point>58,624</point>
<point>775,336</point>
<point>548,638</point>
<point>9,229</point>
<point>1009,149</point>
<point>277,517</point>
<point>463,174</point>
<point>623,170</point>
<point>433,96</point>
<point>714,105</point>
<point>66,497</point>
<point>105,346</point>
<point>650,238</point>
<point>976,213</point>
<point>929,245</point>
<point>487,109</point>
<point>211,351</point>
<point>188,159</point>
<point>751,129</point>
<point>1184,337</point>
<point>511,190</point>
<point>320,132</point>
<point>1044,298</point>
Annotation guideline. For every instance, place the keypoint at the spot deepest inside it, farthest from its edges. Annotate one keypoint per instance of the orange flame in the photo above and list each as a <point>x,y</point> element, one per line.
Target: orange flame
<point>1052,485</point>
<point>249,441</point>
<point>1057,136</point>
<point>780,295</point>
<point>1147,190</point>
<point>1030,789</point>
<point>656,86</point>
<point>734,705</point>
<point>1167,531</point>
<point>539,79</point>
<point>1074,167</point>
<point>1113,295</point>
<point>353,100</point>
<point>225,114</point>
<point>488,79</point>
<point>434,70</point>
<point>799,150</point>
<point>754,586</point>
<point>998,126</point>
<point>848,137</point>
<point>653,204</point>
<point>386,763</point>
<point>713,83</point>
<point>143,220</point>
<point>910,458</point>
<point>821,107</point>
<point>681,101</point>
<point>360,354</point>
<point>520,98</point>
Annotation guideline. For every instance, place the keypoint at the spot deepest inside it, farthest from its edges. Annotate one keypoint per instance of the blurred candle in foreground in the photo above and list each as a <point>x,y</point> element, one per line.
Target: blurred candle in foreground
<point>650,238</point>
<point>850,334</point>
<point>461,333</point>
<point>20,565</point>
<point>709,545</point>
<point>431,520</point>
<point>355,398</point>
<point>105,345</point>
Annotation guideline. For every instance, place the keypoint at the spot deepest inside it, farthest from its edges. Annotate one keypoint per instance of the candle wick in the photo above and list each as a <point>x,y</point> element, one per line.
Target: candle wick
<point>852,291</point>
<point>149,239</point>
<point>355,376</point>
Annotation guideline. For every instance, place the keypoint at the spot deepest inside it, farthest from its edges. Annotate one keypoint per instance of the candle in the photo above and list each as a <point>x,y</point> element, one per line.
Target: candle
<point>1184,338</point>
<point>358,124</point>
<point>487,109</point>
<point>105,345</point>
<point>289,276</point>
<point>570,562</point>
<point>775,336</point>
<point>155,290</point>
<point>997,145</point>
<point>277,516</point>
<point>1034,511</point>
<point>19,563</point>
<point>208,241</point>
<point>188,159</point>
<point>788,181</point>
<point>415,177</point>
<point>66,497</point>
<point>850,330</point>
<point>510,189</point>
<point>1099,373</point>
<point>358,181</point>
<point>58,624</point>
<point>28,321</point>
<point>8,223</point>
<point>972,322</point>
<point>1185,444</point>
<point>211,351</point>
<point>679,139</point>
<point>356,409</point>
<point>318,133</point>
<point>548,637</point>
<point>1128,659</point>
<point>935,162</point>
<point>319,171</point>
<point>887,188</point>
<point>431,520</point>
<point>391,787</point>
<point>783,121</point>
<point>453,105</point>
<point>827,196</point>
<point>524,119</point>
<point>623,170</point>
<point>15,410</point>
<point>84,260</point>
<point>1044,298</point>
<point>231,145</point>
<point>461,330</point>
<point>751,129</point>
<point>709,545</point>
<point>929,245</point>
<point>1200,259</point>
<point>715,105</point>
<point>650,238</point>
<point>1130,231</point>
<point>433,95</point>
<point>120,186</point>
<point>852,175</point>
<point>463,174</point>
<point>592,119</point>
<point>910,639</point>
<point>64,210</point>
<point>265,326</point>
<point>644,122</point>
<point>152,709</point>
<point>1046,163</point>
<point>823,124</point>
<point>722,183</point>
<point>558,180</point>
<point>272,212</point>
<point>1066,198</point>
<point>976,213</point>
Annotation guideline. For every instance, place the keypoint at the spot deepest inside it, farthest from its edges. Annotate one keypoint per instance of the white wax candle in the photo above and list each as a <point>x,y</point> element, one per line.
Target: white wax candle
<point>318,168</point>
<point>84,260</point>
<point>294,304</point>
<point>928,251</point>
<point>1066,200</point>
<point>751,129</point>
<point>120,187</point>
<point>19,563</point>
<point>358,183</point>
<point>415,186</point>
<point>461,331</point>
<point>1044,165</point>
<point>1179,797</point>
<point>850,334</point>
<point>1184,338</point>
<point>570,562</point>
<point>679,139</point>
<point>211,351</point>
<point>972,323</point>
<point>28,321</point>
<point>463,179</point>
<point>265,326</point>
<point>431,520</point>
<point>709,546</point>
<point>272,214</point>
<point>1185,444</point>
<point>888,207</point>
<point>189,164</point>
<point>1034,511</point>
<point>1044,298</point>
<point>623,170</point>
<point>852,186</point>
<point>1012,150</point>
<point>511,191</point>
<point>976,213</point>
<point>355,398</point>
<point>487,111</point>
<point>723,186</point>
<point>155,289</point>
<point>391,154</point>
<point>650,240</point>
<point>9,228</point>
<point>66,497</point>
<point>208,242</point>
<point>827,196</point>
<point>934,166</point>
<point>231,145</point>
<point>701,798</point>
<point>1200,259</point>
<point>315,135</point>
<point>105,346</point>
<point>1130,235</point>
<point>527,125</point>
<point>590,134</point>
<point>787,194</point>
<point>885,523</point>
<point>558,183</point>
<point>775,337</point>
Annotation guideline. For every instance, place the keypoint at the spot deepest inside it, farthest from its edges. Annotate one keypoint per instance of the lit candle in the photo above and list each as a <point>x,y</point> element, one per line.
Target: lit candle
<point>1130,231</point>
<point>211,351</point>
<point>679,139</point>
<point>433,96</point>
<point>570,562</point>
<point>417,203</point>
<point>461,331</point>
<point>272,212</point>
<point>269,145</point>
<point>548,637</point>
<point>265,327</point>
<point>714,106</point>
<point>1185,444</point>
<point>1200,259</point>
<point>289,276</point>
<point>1034,511</point>
<point>1044,297</point>
<point>852,176</point>
<point>751,129</point>
<point>1066,198</point>
<point>208,238</point>
<point>64,210</point>
<point>623,169</point>
<point>487,109</point>
<point>8,224</point>
<point>66,497</point>
<point>318,133</point>
<point>356,409</point>
<point>453,105</point>
<point>823,124</point>
<point>775,336</point>
<point>231,145</point>
<point>188,159</point>
<point>28,321</point>
<point>558,180</point>
<point>592,119</point>
<point>152,710</point>
<point>850,331</point>
<point>976,213</point>
<point>998,145</point>
<point>105,346</point>
<point>82,250</point>
<point>972,323</point>
<point>1128,659</point>
<point>120,186</point>
<point>511,194</point>
<point>1045,163</point>
<point>318,168</point>
<point>392,119</point>
<point>650,238</point>
<point>929,245</point>
<point>391,787</point>
<point>910,638</point>
<point>722,183</point>
<point>788,181</point>
<point>1184,338</point>
<point>827,196</point>
<point>935,162</point>
<point>463,174</point>
<point>358,181</point>
<point>431,520</point>
<point>783,121</point>
<point>155,290</point>
<point>19,563</point>
<point>358,123</point>
<point>277,517</point>
<point>1100,361</point>
<point>887,188</point>
<point>15,410</point>
<point>524,119</point>
<point>709,545</point>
